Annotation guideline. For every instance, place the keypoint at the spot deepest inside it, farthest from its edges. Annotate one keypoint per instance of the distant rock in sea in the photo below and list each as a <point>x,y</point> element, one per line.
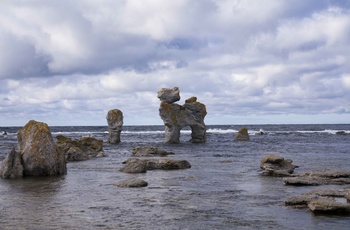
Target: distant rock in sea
<point>242,135</point>
<point>115,125</point>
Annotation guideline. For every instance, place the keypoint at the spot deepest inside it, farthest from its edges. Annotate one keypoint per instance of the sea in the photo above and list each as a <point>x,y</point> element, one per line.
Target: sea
<point>224,188</point>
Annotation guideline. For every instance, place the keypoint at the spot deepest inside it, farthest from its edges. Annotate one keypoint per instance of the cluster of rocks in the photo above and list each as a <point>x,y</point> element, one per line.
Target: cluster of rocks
<point>81,149</point>
<point>136,165</point>
<point>37,154</point>
<point>176,116</point>
<point>327,201</point>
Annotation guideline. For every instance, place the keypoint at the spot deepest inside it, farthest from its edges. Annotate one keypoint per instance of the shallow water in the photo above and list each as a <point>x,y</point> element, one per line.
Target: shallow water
<point>222,190</point>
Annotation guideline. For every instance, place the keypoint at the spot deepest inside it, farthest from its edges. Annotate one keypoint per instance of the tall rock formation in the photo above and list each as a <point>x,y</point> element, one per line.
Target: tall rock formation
<point>175,116</point>
<point>115,123</point>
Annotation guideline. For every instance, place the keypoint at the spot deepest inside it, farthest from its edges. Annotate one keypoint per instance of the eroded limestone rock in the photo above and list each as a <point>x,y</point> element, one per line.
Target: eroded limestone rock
<point>323,201</point>
<point>11,167</point>
<point>81,149</point>
<point>136,165</point>
<point>38,151</point>
<point>115,125</point>
<point>175,116</point>
<point>319,177</point>
<point>274,165</point>
<point>132,183</point>
<point>242,135</point>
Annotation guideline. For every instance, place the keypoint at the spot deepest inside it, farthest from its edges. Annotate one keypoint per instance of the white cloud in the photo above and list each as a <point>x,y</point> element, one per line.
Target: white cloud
<point>240,58</point>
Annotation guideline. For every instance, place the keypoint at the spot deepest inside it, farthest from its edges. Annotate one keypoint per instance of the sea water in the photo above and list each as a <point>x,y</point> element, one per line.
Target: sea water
<point>223,189</point>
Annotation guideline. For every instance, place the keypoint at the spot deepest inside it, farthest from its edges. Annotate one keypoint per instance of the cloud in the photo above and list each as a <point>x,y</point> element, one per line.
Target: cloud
<point>240,58</point>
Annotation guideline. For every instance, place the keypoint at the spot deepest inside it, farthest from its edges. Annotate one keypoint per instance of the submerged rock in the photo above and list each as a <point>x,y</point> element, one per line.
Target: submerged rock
<point>115,123</point>
<point>81,149</point>
<point>274,165</point>
<point>175,116</point>
<point>242,135</point>
<point>11,167</point>
<point>38,151</point>
<point>132,183</point>
<point>149,151</point>
<point>136,165</point>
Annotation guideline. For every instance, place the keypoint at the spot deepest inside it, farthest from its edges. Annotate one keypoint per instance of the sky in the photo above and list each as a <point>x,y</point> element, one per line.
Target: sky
<point>66,62</point>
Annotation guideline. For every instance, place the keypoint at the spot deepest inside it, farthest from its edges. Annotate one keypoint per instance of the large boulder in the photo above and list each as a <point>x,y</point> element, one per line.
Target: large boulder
<point>175,117</point>
<point>274,165</point>
<point>242,135</point>
<point>136,165</point>
<point>11,167</point>
<point>115,123</point>
<point>38,151</point>
<point>81,149</point>
<point>149,151</point>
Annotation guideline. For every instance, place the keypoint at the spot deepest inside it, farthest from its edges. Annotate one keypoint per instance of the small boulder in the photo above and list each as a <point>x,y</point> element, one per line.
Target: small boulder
<point>242,135</point>
<point>149,151</point>
<point>274,165</point>
<point>169,95</point>
<point>134,165</point>
<point>132,183</point>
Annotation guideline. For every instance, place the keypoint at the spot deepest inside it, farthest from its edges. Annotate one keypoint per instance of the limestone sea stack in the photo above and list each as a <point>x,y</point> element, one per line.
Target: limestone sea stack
<point>115,123</point>
<point>175,116</point>
<point>242,135</point>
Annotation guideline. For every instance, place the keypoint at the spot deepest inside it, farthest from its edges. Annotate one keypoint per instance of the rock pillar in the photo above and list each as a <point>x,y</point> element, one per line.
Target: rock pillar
<point>175,116</point>
<point>115,123</point>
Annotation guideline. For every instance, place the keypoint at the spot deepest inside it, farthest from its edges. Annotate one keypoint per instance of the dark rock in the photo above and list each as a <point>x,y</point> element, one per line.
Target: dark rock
<point>134,165</point>
<point>149,151</point>
<point>242,135</point>
<point>81,149</point>
<point>274,165</point>
<point>328,207</point>
<point>38,150</point>
<point>11,167</point>
<point>115,123</point>
<point>132,183</point>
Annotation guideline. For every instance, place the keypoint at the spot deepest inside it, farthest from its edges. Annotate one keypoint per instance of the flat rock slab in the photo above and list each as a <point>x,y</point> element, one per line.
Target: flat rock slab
<point>136,165</point>
<point>319,177</point>
<point>323,201</point>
